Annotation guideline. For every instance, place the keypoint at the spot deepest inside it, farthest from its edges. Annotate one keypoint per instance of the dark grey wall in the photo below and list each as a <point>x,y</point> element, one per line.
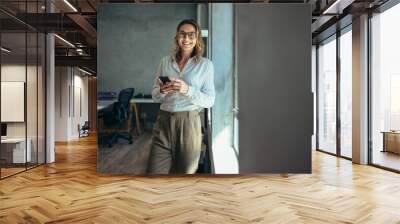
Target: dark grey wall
<point>275,100</point>
<point>132,38</point>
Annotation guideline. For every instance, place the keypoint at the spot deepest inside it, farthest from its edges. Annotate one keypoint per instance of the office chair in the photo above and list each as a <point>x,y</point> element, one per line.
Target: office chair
<point>84,129</point>
<point>117,118</point>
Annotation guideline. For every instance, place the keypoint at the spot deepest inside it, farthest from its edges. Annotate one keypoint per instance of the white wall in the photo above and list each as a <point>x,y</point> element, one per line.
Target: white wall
<point>70,83</point>
<point>79,117</point>
<point>61,103</point>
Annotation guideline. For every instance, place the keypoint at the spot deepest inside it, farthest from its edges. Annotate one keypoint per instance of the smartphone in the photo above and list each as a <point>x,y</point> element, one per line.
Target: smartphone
<point>165,79</point>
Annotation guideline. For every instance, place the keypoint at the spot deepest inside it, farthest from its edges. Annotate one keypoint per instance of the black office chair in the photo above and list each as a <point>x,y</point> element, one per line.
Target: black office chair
<point>117,118</point>
<point>84,129</point>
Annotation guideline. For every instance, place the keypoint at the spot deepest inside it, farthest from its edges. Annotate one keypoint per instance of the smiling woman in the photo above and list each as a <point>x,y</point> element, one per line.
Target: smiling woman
<point>134,39</point>
<point>177,137</point>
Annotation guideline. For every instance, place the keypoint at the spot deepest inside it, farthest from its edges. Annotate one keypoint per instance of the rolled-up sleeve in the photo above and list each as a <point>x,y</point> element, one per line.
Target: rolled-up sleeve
<point>205,96</point>
<point>157,96</point>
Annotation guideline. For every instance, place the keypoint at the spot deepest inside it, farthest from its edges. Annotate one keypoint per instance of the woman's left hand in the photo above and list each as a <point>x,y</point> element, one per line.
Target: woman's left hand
<point>180,86</point>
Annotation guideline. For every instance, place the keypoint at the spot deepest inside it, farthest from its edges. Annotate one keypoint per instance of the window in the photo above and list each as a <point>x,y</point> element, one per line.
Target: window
<point>346,92</point>
<point>327,95</point>
<point>385,88</point>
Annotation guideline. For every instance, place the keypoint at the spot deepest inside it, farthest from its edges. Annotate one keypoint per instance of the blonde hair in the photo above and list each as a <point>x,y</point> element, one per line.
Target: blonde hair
<point>198,50</point>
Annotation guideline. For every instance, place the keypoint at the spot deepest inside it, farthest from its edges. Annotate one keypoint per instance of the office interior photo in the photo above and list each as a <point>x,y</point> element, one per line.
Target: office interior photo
<point>66,157</point>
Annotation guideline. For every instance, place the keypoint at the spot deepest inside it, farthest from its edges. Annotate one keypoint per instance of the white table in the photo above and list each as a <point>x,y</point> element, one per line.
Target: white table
<point>104,103</point>
<point>101,104</point>
<point>19,153</point>
<point>142,100</point>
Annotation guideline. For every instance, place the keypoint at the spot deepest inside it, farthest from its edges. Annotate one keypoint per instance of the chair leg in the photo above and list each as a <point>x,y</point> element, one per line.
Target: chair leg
<point>137,118</point>
<point>125,136</point>
<point>113,138</point>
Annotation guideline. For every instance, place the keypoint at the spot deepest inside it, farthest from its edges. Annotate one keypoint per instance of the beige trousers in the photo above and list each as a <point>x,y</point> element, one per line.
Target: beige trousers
<point>176,143</point>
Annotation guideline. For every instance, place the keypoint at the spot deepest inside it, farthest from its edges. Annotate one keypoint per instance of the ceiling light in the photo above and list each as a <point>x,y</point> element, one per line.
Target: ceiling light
<point>337,7</point>
<point>84,71</point>
<point>65,41</point>
<point>5,50</point>
<point>70,5</point>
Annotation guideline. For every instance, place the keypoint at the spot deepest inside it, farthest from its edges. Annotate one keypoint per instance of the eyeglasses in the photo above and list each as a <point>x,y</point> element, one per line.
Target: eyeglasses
<point>191,35</point>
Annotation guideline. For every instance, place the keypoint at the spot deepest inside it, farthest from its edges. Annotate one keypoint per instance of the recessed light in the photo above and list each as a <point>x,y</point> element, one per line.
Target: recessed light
<point>70,5</point>
<point>5,50</point>
<point>337,7</point>
<point>64,40</point>
<point>84,71</point>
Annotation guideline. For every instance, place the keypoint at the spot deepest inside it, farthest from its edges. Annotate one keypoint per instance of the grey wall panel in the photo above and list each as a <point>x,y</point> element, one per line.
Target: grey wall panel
<point>275,100</point>
<point>132,39</point>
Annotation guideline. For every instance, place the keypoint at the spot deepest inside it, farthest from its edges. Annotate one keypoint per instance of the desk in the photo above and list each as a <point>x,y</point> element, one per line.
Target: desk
<point>142,100</point>
<point>101,104</point>
<point>391,141</point>
<point>100,107</point>
<point>145,111</point>
<point>15,148</point>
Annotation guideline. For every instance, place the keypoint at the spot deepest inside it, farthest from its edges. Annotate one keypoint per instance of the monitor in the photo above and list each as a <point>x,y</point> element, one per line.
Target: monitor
<point>3,129</point>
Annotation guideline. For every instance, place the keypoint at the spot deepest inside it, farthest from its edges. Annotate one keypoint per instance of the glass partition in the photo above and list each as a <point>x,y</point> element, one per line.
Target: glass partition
<point>22,87</point>
<point>14,153</point>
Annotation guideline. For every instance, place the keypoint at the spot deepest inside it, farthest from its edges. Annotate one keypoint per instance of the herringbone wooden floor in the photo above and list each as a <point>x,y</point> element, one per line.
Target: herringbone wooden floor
<point>70,191</point>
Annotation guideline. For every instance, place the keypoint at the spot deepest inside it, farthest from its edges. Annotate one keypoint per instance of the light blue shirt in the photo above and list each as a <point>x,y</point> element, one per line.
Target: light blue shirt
<point>200,79</point>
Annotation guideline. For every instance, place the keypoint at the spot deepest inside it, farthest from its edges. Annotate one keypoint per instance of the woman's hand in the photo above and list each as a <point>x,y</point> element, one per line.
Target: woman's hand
<point>165,88</point>
<point>180,86</point>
